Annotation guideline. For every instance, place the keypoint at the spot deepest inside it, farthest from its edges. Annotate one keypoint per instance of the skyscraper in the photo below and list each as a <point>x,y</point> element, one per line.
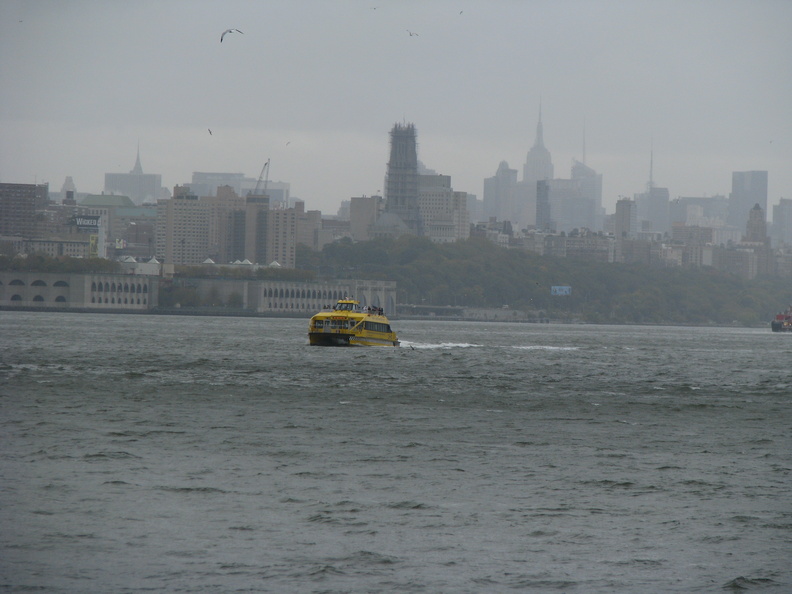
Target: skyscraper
<point>654,210</point>
<point>401,179</point>
<point>748,188</point>
<point>538,164</point>
<point>140,187</point>
<point>544,221</point>
<point>182,228</point>
<point>590,188</point>
<point>18,206</point>
<point>654,205</point>
<point>499,193</point>
<point>756,227</point>
<point>626,219</point>
<point>538,167</point>
<point>782,222</point>
<point>363,213</point>
<point>444,212</point>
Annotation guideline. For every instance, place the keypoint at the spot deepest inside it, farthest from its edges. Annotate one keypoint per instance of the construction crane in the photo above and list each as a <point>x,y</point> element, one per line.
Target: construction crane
<point>266,180</point>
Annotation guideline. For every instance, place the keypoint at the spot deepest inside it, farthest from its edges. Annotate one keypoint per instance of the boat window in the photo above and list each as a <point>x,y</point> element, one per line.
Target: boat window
<point>319,323</point>
<point>377,327</point>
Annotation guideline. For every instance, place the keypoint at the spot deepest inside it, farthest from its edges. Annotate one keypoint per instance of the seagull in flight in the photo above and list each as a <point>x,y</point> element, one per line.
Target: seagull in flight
<point>227,31</point>
<point>210,131</point>
<point>412,34</point>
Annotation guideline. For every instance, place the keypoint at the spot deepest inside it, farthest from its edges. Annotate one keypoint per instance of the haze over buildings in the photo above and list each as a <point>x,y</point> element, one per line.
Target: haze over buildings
<point>314,86</point>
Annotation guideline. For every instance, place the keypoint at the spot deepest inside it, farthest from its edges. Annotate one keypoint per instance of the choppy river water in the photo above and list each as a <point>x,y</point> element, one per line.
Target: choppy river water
<point>188,454</point>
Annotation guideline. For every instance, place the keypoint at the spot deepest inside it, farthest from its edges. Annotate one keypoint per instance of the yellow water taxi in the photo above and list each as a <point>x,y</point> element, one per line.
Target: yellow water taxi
<point>349,324</point>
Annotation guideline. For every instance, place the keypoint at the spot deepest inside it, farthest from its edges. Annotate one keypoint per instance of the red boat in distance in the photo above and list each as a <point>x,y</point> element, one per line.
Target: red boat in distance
<point>782,321</point>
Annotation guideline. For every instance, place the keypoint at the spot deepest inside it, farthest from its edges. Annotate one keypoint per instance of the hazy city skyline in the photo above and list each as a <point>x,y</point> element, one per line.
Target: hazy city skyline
<point>316,87</point>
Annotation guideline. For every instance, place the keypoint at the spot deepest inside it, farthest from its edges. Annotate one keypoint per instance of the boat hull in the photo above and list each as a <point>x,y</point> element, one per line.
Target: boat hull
<point>327,339</point>
<point>782,321</point>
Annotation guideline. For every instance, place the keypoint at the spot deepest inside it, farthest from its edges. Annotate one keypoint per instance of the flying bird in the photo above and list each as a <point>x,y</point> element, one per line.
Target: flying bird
<point>412,34</point>
<point>227,31</point>
<point>210,131</point>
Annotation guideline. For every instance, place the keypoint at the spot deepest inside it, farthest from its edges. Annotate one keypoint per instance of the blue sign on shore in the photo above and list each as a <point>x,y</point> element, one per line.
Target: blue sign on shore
<point>560,290</point>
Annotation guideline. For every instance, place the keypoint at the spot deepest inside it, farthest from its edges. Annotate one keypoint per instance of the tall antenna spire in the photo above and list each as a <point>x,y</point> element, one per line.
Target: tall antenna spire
<point>651,166</point>
<point>539,142</point>
<point>584,140</point>
<point>137,169</point>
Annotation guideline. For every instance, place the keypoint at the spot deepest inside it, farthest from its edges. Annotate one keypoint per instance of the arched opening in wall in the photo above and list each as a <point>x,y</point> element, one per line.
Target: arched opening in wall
<point>38,298</point>
<point>113,288</point>
<point>145,288</point>
<point>16,297</point>
<point>17,281</point>
<point>60,283</point>
<point>112,300</point>
<point>60,299</point>
<point>138,301</point>
<point>38,283</point>
<point>105,300</point>
<point>126,301</point>
<point>144,301</point>
<point>126,288</point>
<point>93,286</point>
<point>107,288</point>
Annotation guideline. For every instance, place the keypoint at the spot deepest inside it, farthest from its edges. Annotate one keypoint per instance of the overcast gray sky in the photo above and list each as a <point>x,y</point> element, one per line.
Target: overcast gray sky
<point>316,86</point>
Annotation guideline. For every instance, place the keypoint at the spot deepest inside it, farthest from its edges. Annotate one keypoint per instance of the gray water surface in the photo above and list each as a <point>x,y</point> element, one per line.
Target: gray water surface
<point>145,453</point>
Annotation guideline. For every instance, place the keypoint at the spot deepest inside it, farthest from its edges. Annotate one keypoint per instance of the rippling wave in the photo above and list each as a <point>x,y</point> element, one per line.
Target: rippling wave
<point>204,454</point>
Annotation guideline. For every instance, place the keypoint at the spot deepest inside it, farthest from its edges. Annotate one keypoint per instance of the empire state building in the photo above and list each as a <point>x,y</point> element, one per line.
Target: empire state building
<point>538,164</point>
<point>538,167</point>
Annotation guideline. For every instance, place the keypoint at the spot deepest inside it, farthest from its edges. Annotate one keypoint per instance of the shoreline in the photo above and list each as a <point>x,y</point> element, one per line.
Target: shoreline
<point>251,314</point>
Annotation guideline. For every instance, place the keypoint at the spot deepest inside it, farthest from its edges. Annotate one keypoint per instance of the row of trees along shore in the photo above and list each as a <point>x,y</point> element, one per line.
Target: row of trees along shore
<point>478,274</point>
